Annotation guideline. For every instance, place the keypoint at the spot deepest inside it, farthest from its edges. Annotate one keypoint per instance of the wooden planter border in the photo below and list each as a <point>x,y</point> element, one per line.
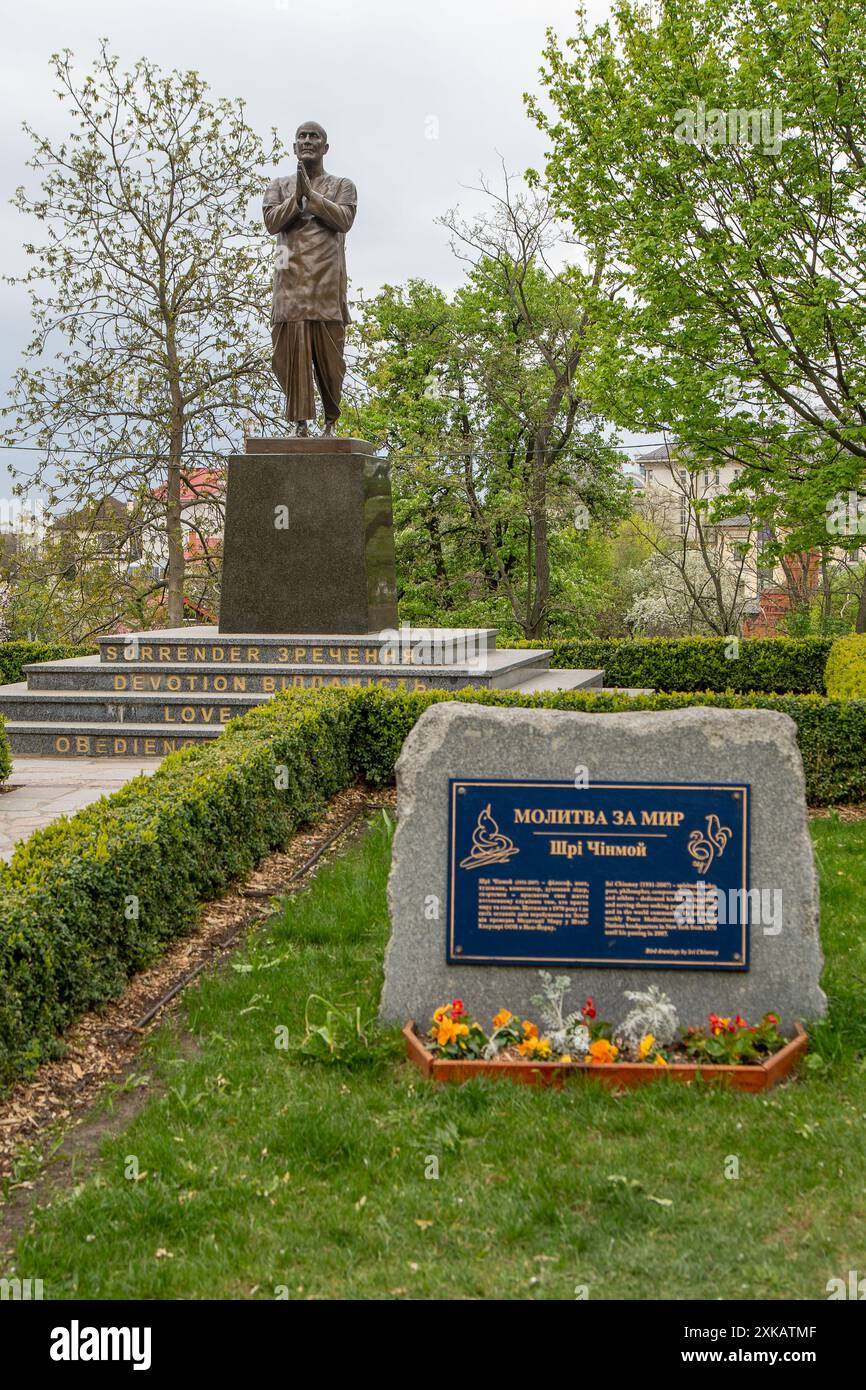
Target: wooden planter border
<point>758,1076</point>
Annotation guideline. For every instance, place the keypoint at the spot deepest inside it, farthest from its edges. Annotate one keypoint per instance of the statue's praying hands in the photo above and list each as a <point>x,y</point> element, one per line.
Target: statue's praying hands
<point>304,187</point>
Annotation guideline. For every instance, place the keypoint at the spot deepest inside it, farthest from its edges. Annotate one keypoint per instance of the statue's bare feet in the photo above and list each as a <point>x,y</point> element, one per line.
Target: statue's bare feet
<point>330,429</point>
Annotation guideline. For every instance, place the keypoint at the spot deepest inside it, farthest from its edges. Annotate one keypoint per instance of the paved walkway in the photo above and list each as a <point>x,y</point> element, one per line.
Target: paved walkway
<point>39,790</point>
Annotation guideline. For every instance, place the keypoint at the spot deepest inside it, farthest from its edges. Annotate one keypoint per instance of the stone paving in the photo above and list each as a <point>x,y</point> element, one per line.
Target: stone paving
<point>39,790</point>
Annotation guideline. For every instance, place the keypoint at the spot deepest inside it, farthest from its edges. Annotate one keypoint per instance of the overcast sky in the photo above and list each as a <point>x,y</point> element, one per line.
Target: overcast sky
<point>382,76</point>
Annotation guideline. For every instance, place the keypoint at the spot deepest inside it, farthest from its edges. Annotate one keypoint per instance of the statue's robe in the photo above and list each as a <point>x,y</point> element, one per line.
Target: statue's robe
<point>310,309</point>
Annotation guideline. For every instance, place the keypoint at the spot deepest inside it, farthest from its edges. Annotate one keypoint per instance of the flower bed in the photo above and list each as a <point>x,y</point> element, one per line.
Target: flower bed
<point>748,1057</point>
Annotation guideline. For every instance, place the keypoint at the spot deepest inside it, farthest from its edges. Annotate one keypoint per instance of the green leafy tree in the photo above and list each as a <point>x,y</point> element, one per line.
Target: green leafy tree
<point>500,463</point>
<point>717,153</point>
<point>151,287</point>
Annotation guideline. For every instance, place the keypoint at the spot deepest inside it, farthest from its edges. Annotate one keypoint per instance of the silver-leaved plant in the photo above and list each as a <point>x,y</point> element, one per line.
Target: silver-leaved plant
<point>653,1013</point>
<point>567,1032</point>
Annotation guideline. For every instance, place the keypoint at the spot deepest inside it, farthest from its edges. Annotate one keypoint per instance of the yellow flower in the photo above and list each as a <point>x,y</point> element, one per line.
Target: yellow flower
<point>721,1026</point>
<point>646,1046</point>
<point>602,1051</point>
<point>448,1030</point>
<point>461,1029</point>
<point>527,1048</point>
<point>544,1048</point>
<point>441,1012</point>
<point>566,1057</point>
<point>502,1018</point>
<point>659,1060</point>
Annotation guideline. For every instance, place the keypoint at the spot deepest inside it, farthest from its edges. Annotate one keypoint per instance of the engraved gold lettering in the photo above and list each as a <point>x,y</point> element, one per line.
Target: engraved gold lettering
<point>662,817</point>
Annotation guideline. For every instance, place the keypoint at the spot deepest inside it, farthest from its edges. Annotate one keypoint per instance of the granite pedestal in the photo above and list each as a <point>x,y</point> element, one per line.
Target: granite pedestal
<point>309,539</point>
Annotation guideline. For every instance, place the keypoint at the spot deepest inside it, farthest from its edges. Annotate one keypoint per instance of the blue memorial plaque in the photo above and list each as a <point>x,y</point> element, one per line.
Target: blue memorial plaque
<point>616,873</point>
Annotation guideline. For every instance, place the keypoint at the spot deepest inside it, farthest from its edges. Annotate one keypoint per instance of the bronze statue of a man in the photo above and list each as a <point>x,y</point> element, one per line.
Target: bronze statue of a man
<point>310,213</point>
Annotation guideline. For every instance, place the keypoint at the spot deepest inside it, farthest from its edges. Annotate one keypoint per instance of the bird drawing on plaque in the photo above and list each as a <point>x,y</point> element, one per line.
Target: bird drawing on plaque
<point>703,847</point>
<point>489,845</point>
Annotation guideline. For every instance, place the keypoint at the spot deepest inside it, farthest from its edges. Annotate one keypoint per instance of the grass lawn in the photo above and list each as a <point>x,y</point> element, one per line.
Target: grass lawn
<point>262,1173</point>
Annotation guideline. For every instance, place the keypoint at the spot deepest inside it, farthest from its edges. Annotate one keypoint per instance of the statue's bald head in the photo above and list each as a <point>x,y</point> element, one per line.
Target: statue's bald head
<point>311,128</point>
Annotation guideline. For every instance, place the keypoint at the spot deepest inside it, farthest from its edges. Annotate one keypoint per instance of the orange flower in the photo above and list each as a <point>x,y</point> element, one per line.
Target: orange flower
<point>448,1031</point>
<point>659,1060</point>
<point>602,1051</point>
<point>502,1018</point>
<point>530,1029</point>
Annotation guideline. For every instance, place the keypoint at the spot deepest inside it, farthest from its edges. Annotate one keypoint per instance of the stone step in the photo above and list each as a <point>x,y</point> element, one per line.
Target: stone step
<point>74,707</point>
<point>495,669</point>
<point>570,678</point>
<point>50,739</point>
<point>84,707</point>
<point>207,646</point>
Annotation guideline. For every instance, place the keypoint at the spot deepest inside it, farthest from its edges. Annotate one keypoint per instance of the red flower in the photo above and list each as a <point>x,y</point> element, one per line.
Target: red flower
<point>740,1021</point>
<point>456,1008</point>
<point>772,1018</point>
<point>589,1008</point>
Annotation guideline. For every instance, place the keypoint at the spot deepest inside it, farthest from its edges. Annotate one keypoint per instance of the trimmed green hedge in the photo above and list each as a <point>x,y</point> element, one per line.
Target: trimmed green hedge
<point>781,665</point>
<point>89,900</point>
<point>831,733</point>
<point>846,668</point>
<point>14,656</point>
<point>5,753</point>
